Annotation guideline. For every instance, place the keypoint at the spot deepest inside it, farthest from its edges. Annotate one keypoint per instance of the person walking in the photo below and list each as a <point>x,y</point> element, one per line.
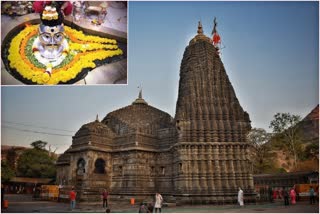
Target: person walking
<point>72,197</point>
<point>285,196</point>
<point>311,194</point>
<point>240,197</point>
<point>158,204</point>
<point>104,196</point>
<point>274,194</point>
<point>293,196</point>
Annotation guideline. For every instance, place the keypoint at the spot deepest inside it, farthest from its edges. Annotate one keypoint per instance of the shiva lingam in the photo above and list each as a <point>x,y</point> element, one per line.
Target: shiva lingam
<point>51,41</point>
<point>51,46</point>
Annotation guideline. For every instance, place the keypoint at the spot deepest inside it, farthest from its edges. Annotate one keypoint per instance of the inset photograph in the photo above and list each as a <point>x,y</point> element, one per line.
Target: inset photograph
<point>63,42</point>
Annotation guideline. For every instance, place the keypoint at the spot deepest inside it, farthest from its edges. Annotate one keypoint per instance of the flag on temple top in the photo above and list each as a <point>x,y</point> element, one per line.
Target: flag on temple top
<point>216,37</point>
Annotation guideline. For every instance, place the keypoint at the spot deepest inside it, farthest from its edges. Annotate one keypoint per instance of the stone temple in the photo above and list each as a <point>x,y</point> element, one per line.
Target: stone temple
<point>200,156</point>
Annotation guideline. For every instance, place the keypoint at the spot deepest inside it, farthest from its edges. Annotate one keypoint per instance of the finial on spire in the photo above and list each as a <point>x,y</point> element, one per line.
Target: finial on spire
<point>97,118</point>
<point>200,30</point>
<point>140,92</point>
<point>140,100</point>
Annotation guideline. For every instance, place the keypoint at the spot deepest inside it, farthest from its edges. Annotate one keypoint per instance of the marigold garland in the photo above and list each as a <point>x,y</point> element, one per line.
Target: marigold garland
<point>77,36</point>
<point>84,50</point>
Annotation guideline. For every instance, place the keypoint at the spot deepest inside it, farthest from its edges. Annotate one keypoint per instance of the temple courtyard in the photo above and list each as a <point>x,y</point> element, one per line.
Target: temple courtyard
<point>20,203</point>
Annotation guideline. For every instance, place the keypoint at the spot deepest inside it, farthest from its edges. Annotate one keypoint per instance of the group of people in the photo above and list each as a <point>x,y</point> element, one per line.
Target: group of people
<point>105,194</point>
<point>159,199</point>
<point>292,195</point>
<point>286,194</point>
<point>149,208</point>
<point>104,197</point>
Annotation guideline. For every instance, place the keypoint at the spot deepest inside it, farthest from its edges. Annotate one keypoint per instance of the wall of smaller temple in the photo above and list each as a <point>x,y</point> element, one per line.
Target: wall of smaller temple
<point>89,171</point>
<point>164,172</point>
<point>166,138</point>
<point>141,172</point>
<point>130,169</point>
<point>62,177</point>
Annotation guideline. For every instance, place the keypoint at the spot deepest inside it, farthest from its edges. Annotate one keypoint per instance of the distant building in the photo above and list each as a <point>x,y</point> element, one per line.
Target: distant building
<point>11,154</point>
<point>23,185</point>
<point>286,179</point>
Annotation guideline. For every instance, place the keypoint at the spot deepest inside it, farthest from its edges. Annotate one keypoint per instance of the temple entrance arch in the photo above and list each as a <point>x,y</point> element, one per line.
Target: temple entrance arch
<point>99,166</point>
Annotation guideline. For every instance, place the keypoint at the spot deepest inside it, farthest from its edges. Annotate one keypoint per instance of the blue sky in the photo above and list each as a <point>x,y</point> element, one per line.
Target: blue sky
<point>271,57</point>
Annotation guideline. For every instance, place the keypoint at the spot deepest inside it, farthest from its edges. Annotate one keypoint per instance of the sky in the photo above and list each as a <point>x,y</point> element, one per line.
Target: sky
<point>271,55</point>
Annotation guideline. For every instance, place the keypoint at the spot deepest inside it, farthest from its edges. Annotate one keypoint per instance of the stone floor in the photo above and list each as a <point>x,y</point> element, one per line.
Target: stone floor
<point>25,204</point>
<point>115,24</point>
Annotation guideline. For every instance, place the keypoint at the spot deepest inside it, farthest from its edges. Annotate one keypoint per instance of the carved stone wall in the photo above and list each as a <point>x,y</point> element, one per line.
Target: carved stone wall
<point>131,173</point>
<point>86,175</point>
<point>141,172</point>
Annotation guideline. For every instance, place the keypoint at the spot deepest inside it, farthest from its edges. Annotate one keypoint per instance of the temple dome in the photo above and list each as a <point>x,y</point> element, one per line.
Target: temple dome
<point>95,127</point>
<point>137,117</point>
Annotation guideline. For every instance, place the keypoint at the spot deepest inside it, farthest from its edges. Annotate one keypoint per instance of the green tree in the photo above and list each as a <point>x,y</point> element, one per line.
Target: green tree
<point>312,151</point>
<point>6,172</point>
<point>36,162</point>
<point>261,155</point>
<point>285,128</point>
<point>11,158</point>
<point>39,144</point>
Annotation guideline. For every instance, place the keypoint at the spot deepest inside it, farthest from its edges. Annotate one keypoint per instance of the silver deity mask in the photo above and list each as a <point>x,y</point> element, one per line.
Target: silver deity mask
<point>50,36</point>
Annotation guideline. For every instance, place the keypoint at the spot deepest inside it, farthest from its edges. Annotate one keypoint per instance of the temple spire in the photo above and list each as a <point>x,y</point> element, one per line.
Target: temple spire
<point>97,118</point>
<point>200,30</point>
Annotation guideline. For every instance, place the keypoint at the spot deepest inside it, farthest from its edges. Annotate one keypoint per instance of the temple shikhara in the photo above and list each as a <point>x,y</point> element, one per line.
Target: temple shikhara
<point>199,156</point>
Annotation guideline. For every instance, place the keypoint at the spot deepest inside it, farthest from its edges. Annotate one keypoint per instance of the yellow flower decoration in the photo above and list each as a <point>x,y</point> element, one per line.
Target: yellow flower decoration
<point>84,50</point>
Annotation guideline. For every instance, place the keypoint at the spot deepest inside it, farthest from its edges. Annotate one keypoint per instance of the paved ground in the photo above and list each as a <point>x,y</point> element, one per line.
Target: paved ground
<point>25,204</point>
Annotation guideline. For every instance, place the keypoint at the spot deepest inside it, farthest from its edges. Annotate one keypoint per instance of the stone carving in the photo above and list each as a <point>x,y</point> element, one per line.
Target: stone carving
<point>81,167</point>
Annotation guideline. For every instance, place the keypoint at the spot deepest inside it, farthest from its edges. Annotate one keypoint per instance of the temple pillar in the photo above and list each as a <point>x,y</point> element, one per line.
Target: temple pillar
<point>210,169</point>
